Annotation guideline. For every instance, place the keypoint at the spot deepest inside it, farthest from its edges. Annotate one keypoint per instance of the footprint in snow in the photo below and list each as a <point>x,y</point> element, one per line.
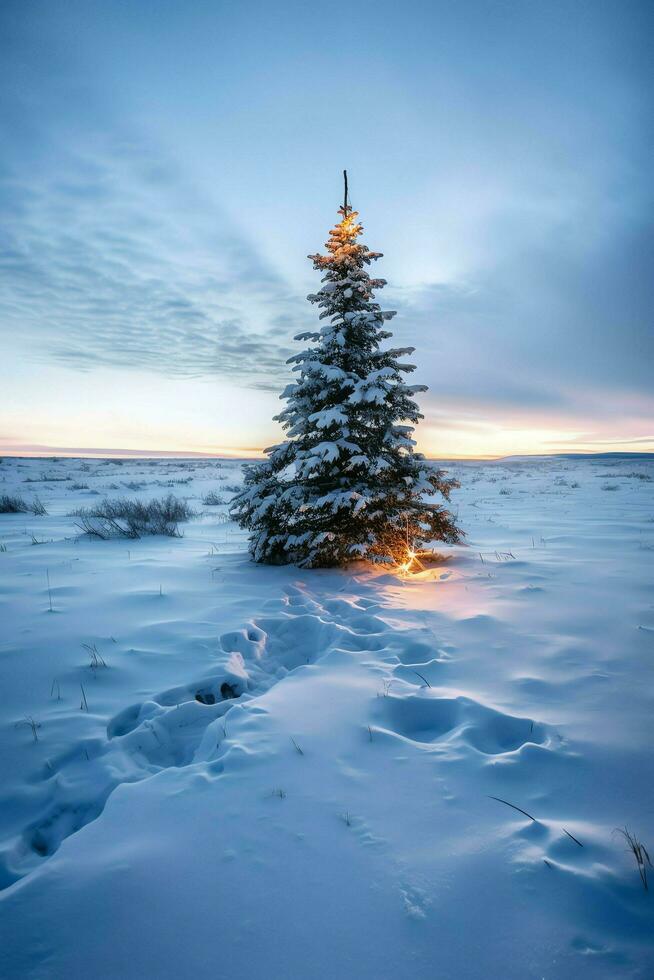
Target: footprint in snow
<point>176,727</point>
<point>428,717</point>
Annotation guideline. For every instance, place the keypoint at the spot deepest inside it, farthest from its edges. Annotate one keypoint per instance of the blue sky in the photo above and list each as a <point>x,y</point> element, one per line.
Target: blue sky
<point>166,168</point>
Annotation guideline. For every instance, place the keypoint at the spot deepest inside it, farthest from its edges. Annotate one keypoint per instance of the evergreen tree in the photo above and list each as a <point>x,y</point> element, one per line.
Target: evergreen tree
<point>346,483</point>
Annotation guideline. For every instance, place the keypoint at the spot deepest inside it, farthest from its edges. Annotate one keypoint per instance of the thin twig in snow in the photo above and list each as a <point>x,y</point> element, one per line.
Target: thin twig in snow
<point>513,807</point>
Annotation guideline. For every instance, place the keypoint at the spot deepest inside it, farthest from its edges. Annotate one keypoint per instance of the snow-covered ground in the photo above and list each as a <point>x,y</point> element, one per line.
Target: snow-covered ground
<point>337,818</point>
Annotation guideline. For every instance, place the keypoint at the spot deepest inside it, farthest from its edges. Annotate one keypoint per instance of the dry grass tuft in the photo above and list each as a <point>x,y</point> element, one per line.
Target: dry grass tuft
<point>119,518</point>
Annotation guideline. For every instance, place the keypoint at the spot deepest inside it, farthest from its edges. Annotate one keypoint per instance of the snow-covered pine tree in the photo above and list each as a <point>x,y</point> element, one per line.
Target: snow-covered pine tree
<point>346,484</point>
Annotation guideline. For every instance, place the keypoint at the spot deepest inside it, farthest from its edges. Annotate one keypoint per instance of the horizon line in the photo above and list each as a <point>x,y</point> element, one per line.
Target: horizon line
<point>44,452</point>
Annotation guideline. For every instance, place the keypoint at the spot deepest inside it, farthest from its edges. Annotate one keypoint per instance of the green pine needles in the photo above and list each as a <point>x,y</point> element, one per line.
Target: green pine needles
<point>347,483</point>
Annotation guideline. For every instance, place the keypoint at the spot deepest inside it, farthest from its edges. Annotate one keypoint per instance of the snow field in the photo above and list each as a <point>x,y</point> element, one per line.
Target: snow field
<point>301,774</point>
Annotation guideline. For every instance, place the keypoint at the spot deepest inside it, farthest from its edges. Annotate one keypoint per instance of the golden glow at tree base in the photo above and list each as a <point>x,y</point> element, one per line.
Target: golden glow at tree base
<point>413,561</point>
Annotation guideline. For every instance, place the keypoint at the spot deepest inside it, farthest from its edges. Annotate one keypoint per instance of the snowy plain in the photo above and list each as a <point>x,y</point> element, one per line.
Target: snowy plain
<point>242,771</point>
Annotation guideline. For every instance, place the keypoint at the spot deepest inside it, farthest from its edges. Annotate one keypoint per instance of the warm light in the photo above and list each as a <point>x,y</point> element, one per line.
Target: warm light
<point>412,558</point>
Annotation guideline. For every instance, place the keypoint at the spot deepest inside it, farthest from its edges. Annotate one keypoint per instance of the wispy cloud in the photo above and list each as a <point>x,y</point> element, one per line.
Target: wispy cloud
<point>112,260</point>
<point>558,323</point>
